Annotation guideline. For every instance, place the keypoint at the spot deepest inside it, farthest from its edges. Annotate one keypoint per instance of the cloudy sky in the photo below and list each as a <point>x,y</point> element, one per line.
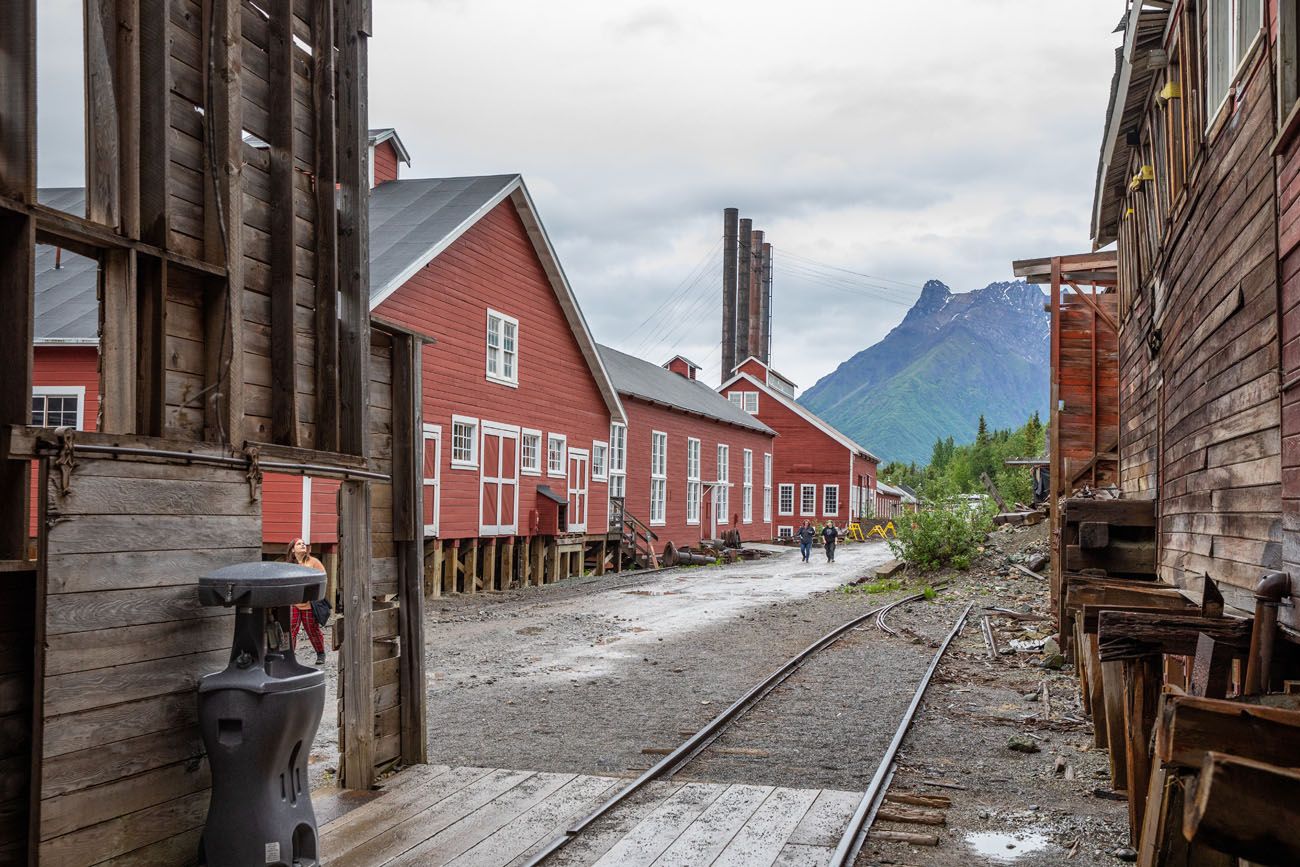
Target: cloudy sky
<point>905,141</point>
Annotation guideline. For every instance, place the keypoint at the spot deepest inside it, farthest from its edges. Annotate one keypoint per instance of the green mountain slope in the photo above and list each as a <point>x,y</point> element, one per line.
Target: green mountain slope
<point>952,358</point>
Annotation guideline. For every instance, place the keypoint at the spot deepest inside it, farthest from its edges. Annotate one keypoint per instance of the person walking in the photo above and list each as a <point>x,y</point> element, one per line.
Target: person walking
<point>301,614</point>
<point>806,536</point>
<point>829,534</point>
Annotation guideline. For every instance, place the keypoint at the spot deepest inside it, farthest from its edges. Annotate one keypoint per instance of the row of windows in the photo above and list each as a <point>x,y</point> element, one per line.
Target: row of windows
<point>465,450</point>
<point>746,400</point>
<point>695,484</point>
<point>808,500</point>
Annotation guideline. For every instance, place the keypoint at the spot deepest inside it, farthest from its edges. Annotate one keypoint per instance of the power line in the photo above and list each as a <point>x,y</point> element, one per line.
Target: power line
<point>810,260</point>
<point>678,290</point>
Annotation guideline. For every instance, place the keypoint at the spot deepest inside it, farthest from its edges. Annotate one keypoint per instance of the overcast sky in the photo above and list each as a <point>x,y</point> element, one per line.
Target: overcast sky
<point>906,141</point>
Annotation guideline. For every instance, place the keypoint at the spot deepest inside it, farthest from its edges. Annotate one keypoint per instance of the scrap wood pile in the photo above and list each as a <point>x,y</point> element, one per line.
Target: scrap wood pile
<point>725,550</point>
<point>1208,778</point>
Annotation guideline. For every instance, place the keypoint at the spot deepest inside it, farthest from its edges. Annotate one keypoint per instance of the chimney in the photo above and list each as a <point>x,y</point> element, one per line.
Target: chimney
<point>755,295</point>
<point>730,216</point>
<point>744,276</point>
<point>765,311</point>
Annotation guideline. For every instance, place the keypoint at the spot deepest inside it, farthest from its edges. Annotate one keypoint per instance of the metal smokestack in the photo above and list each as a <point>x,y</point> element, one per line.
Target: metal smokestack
<point>744,288</point>
<point>730,230</point>
<point>765,312</point>
<point>756,295</point>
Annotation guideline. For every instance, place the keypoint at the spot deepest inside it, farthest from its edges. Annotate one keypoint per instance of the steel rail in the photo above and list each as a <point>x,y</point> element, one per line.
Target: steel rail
<point>863,817</point>
<point>689,748</point>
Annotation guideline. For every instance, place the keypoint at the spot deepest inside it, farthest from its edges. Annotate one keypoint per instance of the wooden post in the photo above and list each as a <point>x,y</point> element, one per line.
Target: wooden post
<point>489,565</point>
<point>284,393</point>
<point>471,565</point>
<point>507,562</point>
<point>1141,694</point>
<point>327,318</point>
<point>539,562</point>
<point>600,557</point>
<point>455,569</point>
<point>1112,679</point>
<point>358,704</point>
<point>433,577</point>
<point>1244,807</point>
<point>1211,668</point>
<point>553,555</point>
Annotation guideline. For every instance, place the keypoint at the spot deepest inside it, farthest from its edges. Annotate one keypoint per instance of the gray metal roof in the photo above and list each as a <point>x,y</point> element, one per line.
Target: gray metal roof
<point>636,377</point>
<point>413,220</point>
<point>67,309</point>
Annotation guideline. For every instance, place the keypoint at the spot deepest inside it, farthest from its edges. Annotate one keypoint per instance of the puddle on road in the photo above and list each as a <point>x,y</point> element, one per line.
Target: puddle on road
<point>1006,848</point>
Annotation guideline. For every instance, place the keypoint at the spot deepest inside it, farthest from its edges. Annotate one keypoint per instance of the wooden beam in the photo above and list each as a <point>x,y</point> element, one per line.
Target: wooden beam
<point>327,319</point>
<point>1192,726</point>
<point>1127,635</point>
<point>358,703</point>
<point>1094,534</point>
<point>1112,679</point>
<point>151,345</point>
<point>284,392</point>
<point>1119,556</point>
<point>17,306</point>
<point>1121,513</point>
<point>1141,695</point>
<point>118,340</point>
<point>1211,668</point>
<point>154,178</point>
<point>1245,808</point>
<point>994,492</point>
<point>1091,614</point>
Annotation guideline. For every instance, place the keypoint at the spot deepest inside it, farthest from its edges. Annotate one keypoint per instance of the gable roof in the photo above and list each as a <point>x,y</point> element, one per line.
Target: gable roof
<point>636,377</point>
<point>388,133</point>
<point>67,303</point>
<point>413,220</point>
<point>799,410</point>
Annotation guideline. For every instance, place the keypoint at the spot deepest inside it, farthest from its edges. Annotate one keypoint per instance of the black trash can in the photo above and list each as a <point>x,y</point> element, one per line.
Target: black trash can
<point>259,718</point>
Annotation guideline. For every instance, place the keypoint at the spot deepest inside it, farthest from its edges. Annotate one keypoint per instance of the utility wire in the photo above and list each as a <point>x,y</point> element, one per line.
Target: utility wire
<point>678,290</point>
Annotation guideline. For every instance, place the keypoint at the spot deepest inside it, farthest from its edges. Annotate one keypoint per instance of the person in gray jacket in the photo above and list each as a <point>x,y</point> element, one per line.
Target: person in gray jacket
<point>806,536</point>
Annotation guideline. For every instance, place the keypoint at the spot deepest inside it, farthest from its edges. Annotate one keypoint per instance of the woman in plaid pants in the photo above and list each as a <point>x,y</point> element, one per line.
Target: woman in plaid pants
<point>301,614</point>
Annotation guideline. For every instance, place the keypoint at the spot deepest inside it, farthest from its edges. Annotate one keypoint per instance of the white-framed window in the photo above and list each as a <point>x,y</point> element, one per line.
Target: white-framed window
<point>785,499</point>
<point>807,500</point>
<point>430,460</point>
<point>746,400</point>
<point>617,463</point>
<point>767,488</point>
<point>658,477</point>
<point>785,532</point>
<point>694,487</point>
<point>530,452</point>
<point>59,406</point>
<point>617,490</point>
<point>599,461</point>
<point>747,489</point>
<point>556,448</point>
<point>722,493</point>
<point>738,398</point>
<point>464,442</point>
<point>830,499</point>
<point>502,348</point>
<point>1231,28</point>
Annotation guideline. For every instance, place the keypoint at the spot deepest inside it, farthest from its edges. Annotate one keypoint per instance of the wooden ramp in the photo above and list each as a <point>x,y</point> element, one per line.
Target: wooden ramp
<point>485,817</point>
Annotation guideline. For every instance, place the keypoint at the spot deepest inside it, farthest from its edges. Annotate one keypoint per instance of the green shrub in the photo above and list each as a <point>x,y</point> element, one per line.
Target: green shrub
<point>946,535</point>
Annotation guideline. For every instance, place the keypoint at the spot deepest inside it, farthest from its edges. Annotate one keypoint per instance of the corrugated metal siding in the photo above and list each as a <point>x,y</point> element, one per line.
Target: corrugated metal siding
<point>494,265</point>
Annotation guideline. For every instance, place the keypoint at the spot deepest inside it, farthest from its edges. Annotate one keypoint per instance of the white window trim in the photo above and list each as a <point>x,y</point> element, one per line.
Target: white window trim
<point>802,512</point>
<point>472,463</point>
<point>779,488</point>
<point>785,532</point>
<point>1237,67</point>
<point>767,488</point>
<point>524,469</point>
<point>563,472</point>
<point>826,489</point>
<point>501,378</point>
<point>694,484</point>
<point>746,401</point>
<point>604,475</point>
<point>620,468</point>
<point>747,487</point>
<point>79,391</point>
<point>658,477</point>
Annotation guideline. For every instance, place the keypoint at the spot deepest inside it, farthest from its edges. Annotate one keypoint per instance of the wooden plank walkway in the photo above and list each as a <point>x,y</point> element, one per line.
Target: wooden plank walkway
<point>486,817</point>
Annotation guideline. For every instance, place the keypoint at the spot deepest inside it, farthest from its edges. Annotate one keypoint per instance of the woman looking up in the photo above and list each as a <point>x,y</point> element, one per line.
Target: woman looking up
<point>303,617</point>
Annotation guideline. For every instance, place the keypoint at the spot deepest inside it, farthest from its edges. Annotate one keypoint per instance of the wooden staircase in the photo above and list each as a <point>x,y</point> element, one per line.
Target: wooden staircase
<point>634,539</point>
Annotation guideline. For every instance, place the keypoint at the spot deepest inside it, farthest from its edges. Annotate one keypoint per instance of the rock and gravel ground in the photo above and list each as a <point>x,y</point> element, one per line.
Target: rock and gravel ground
<point>585,675</point>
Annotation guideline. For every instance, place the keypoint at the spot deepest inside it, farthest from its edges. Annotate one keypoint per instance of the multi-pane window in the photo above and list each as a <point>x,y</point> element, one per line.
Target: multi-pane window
<point>617,464</point>
<point>599,460</point>
<point>658,477</point>
<point>785,500</point>
<point>830,499</point>
<point>767,488</point>
<point>694,486</point>
<point>1230,29</point>
<point>785,532</point>
<point>722,493</point>
<point>56,408</point>
<point>502,348</point>
<point>530,452</point>
<point>746,400</point>
<point>747,489</point>
<point>807,500</point>
<point>555,448</point>
<point>464,442</point>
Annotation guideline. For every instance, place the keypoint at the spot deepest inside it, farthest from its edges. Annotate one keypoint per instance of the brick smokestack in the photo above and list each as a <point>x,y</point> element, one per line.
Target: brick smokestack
<point>756,295</point>
<point>744,289</point>
<point>730,230</point>
<point>765,305</point>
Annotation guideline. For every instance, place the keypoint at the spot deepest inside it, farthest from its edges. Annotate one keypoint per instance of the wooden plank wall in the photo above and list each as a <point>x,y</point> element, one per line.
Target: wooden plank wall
<point>123,777</point>
<point>1201,420</point>
<point>383,551</point>
<point>1088,426</point>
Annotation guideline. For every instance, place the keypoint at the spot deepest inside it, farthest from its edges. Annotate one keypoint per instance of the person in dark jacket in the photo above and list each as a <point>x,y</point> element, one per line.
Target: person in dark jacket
<point>806,536</point>
<point>829,535</point>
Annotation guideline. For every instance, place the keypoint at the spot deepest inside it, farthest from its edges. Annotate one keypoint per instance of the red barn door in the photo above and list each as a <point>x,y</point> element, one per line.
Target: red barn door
<point>578,479</point>
<point>499,500</point>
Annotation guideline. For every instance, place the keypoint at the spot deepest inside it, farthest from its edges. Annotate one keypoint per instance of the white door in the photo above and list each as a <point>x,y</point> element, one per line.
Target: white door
<point>579,468</point>
<point>431,491</point>
<point>499,480</point>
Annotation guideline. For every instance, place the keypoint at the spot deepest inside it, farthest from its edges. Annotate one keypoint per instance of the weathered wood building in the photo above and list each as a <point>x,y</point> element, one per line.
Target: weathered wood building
<point>234,340</point>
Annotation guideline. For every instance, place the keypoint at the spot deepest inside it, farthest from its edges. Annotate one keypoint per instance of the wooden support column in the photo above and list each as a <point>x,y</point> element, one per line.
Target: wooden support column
<point>284,392</point>
<point>471,565</point>
<point>358,702</point>
<point>553,549</point>
<point>539,561</point>
<point>1141,694</point>
<point>327,318</point>
<point>150,350</point>
<point>118,341</point>
<point>601,554</point>
<point>1112,678</point>
<point>102,116</point>
<point>408,536</point>
<point>224,230</point>
<point>1245,808</point>
<point>507,562</point>
<point>489,565</point>
<point>433,570</point>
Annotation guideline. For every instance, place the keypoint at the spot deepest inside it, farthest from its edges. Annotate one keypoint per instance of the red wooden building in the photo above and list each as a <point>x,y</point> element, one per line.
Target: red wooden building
<point>819,473</point>
<point>695,464</point>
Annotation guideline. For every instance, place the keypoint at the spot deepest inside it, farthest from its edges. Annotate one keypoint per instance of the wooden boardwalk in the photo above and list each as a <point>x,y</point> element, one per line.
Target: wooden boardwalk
<point>485,817</point>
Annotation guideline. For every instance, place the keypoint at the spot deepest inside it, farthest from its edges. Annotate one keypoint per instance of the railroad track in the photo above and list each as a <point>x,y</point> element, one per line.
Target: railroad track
<point>860,823</point>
